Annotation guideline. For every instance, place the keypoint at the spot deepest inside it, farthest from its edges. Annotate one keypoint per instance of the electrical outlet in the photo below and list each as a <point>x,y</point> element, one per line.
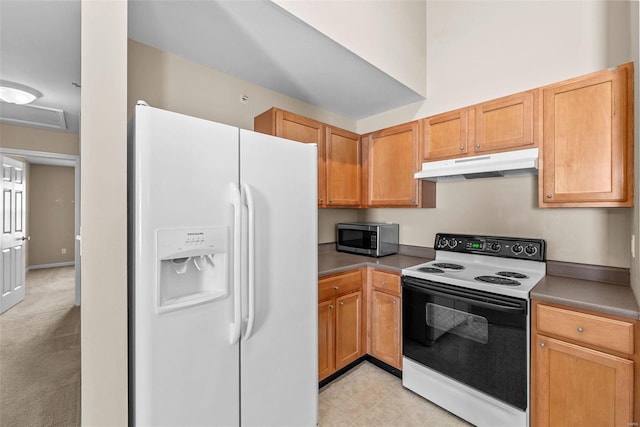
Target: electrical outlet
<point>63,250</point>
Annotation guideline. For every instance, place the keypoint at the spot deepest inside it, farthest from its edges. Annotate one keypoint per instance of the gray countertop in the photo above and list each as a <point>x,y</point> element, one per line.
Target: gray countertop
<point>332,261</point>
<point>598,296</point>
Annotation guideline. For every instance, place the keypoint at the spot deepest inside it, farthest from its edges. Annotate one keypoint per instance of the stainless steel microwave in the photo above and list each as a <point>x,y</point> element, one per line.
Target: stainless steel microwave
<point>367,238</point>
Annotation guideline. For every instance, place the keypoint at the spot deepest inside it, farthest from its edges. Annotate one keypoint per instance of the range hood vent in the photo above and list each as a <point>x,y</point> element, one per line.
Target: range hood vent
<point>520,162</point>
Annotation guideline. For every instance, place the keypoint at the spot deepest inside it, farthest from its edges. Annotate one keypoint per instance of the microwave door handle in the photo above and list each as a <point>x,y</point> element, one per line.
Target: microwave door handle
<point>494,305</point>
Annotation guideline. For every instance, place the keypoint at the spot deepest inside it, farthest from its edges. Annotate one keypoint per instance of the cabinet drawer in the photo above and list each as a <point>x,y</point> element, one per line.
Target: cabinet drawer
<point>387,282</point>
<point>600,331</point>
<point>332,286</point>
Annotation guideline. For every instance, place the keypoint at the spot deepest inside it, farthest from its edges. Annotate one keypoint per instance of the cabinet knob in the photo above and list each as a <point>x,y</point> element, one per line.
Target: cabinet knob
<point>461,148</point>
<point>384,282</point>
<point>330,201</point>
<point>336,287</point>
<point>341,303</point>
<point>548,196</point>
<point>477,145</point>
<point>330,307</point>
<point>542,344</point>
<point>321,200</point>
<point>580,329</point>
<point>394,302</point>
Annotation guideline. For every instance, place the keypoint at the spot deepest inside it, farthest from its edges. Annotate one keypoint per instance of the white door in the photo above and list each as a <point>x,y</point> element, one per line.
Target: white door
<point>279,360</point>
<point>186,367</point>
<point>12,255</point>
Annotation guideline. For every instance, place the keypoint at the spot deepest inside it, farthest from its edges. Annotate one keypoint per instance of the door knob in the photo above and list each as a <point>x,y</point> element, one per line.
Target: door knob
<point>23,238</point>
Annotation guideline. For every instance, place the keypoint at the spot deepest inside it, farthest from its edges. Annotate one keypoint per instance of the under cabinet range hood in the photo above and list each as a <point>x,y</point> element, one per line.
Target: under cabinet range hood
<point>520,162</point>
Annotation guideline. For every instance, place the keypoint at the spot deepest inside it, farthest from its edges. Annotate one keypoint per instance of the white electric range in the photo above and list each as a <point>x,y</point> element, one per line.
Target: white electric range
<point>466,326</point>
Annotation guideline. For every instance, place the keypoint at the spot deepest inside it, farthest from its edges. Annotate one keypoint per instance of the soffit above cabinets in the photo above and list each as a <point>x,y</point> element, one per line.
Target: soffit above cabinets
<point>260,42</point>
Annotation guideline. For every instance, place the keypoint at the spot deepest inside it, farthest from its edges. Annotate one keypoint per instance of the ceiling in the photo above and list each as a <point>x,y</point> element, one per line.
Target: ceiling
<point>253,40</point>
<point>260,42</point>
<point>40,48</point>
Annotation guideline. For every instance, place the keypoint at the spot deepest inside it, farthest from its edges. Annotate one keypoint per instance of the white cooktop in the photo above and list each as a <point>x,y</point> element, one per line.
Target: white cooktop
<point>481,265</point>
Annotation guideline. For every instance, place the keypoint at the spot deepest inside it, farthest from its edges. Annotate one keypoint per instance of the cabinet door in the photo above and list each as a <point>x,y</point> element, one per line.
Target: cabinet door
<point>348,328</point>
<point>296,128</point>
<point>577,386</point>
<point>326,338</point>
<point>343,167</point>
<point>588,143</point>
<point>445,135</point>
<point>385,328</point>
<point>391,159</point>
<point>506,123</point>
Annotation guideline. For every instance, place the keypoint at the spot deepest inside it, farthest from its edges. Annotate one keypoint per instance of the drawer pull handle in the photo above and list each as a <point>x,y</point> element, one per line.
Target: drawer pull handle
<point>580,329</point>
<point>542,344</point>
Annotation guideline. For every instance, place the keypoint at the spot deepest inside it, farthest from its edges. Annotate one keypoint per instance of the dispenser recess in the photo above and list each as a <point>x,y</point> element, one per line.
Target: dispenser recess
<point>192,266</point>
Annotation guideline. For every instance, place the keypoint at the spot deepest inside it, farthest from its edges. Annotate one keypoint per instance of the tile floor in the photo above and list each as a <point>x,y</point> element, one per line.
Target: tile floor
<point>369,397</point>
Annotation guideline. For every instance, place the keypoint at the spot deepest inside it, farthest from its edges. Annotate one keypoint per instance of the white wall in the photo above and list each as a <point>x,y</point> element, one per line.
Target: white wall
<point>388,34</point>
<point>103,139</point>
<point>480,50</point>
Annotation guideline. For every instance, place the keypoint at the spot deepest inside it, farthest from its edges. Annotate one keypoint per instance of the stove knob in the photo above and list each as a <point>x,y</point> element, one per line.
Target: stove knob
<point>442,242</point>
<point>530,250</point>
<point>453,243</point>
<point>516,249</point>
<point>495,246</point>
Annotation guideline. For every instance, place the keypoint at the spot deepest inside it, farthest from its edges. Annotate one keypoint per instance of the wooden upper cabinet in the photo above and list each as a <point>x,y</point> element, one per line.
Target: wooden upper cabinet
<point>297,128</point>
<point>506,123</point>
<point>343,168</point>
<point>587,153</point>
<point>445,135</point>
<point>390,159</point>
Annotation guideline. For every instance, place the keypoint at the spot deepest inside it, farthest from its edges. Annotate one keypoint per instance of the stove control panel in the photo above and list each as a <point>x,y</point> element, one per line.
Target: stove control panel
<point>504,247</point>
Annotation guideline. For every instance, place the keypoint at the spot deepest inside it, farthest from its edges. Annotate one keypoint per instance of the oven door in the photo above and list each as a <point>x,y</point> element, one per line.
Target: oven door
<point>474,337</point>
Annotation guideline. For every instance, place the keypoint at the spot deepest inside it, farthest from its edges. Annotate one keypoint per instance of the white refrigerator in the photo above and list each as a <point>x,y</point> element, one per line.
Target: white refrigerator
<point>222,275</point>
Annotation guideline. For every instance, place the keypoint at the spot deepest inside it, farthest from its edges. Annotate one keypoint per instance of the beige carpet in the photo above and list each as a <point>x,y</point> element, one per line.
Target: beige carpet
<point>40,353</point>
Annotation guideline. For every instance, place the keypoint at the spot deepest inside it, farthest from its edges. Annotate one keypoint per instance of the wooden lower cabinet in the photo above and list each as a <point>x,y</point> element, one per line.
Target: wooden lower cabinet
<point>326,338</point>
<point>385,328</point>
<point>573,381</point>
<point>341,336</point>
<point>385,317</point>
<point>348,329</point>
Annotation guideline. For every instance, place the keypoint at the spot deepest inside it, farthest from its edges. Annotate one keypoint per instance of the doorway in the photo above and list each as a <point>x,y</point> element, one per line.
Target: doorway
<point>65,160</point>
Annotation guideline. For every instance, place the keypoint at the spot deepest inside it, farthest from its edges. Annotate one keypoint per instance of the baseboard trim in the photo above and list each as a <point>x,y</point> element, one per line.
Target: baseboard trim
<point>52,265</point>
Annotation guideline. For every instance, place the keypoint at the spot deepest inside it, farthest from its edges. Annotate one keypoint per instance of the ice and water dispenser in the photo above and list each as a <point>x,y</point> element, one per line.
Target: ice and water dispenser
<point>192,266</point>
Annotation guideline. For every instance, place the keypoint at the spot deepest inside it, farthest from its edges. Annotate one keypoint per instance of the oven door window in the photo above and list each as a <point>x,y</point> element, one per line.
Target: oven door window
<point>480,341</point>
<point>358,239</point>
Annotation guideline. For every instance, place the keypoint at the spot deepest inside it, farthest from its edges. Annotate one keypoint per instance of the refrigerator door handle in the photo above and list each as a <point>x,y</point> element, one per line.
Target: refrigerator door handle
<point>251,261</point>
<point>236,202</point>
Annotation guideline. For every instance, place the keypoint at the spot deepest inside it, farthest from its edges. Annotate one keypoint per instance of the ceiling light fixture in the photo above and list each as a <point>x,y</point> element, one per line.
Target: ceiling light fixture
<point>16,93</point>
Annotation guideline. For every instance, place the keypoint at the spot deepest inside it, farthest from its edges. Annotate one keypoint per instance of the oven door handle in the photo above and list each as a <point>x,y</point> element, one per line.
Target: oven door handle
<point>485,301</point>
